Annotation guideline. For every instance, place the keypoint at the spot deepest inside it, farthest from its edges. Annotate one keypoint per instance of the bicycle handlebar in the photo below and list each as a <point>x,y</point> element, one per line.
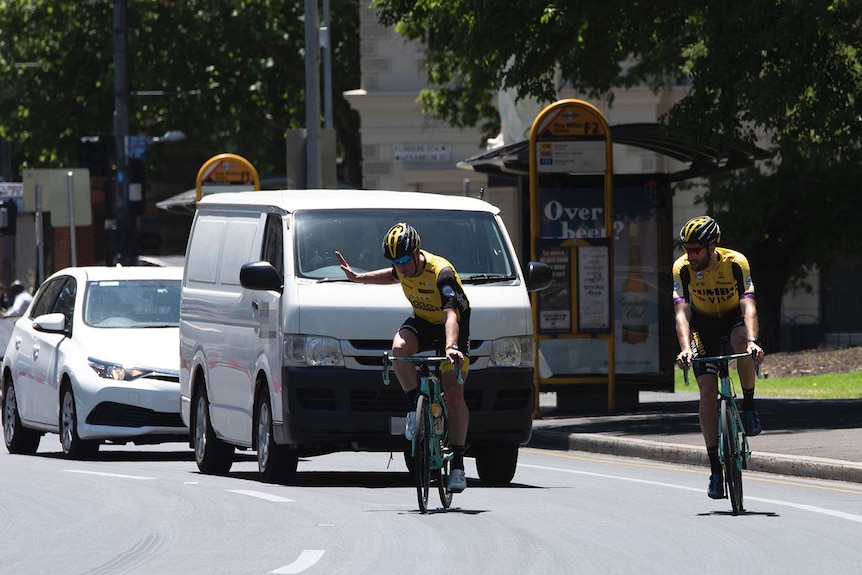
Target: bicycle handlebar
<point>423,359</point>
<point>725,357</point>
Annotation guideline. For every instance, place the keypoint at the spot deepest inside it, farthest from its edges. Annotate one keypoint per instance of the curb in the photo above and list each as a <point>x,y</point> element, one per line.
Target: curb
<point>800,466</point>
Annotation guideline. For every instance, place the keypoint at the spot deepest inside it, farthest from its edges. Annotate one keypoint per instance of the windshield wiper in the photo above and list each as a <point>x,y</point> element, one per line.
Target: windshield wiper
<point>328,280</point>
<point>486,278</point>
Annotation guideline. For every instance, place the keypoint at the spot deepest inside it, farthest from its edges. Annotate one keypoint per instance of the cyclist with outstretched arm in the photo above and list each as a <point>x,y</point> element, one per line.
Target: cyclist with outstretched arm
<point>441,314</point>
<point>713,297</point>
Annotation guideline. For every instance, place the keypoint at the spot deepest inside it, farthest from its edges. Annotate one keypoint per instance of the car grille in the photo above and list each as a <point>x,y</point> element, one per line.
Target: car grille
<point>120,415</point>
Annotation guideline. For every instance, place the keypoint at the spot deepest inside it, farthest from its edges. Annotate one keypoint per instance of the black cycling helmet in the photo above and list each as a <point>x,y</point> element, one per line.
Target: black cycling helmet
<point>401,240</point>
<point>701,230</point>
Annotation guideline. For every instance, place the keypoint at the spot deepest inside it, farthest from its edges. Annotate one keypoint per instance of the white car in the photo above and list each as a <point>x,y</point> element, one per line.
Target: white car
<point>96,358</point>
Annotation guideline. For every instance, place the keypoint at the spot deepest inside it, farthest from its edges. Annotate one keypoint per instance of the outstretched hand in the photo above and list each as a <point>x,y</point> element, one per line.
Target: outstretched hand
<point>345,267</point>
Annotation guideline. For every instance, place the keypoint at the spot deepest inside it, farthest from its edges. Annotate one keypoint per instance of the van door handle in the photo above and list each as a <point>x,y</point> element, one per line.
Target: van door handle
<point>17,343</point>
<point>255,305</point>
<point>35,352</point>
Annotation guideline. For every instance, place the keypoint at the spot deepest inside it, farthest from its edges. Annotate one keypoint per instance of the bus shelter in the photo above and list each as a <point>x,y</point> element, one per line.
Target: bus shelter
<point>604,330</point>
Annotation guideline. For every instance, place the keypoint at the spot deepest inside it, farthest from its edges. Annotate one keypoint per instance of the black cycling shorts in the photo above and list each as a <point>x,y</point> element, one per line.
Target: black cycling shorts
<point>432,336</point>
<point>706,334</point>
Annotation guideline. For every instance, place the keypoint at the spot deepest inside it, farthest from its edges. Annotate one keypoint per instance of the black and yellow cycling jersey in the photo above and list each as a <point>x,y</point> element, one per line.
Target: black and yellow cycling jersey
<point>438,287</point>
<point>715,293</point>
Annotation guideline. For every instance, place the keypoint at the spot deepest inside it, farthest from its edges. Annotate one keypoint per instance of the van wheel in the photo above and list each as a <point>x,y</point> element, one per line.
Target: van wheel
<point>19,440</point>
<point>276,463</point>
<point>73,446</point>
<point>496,464</point>
<point>212,455</point>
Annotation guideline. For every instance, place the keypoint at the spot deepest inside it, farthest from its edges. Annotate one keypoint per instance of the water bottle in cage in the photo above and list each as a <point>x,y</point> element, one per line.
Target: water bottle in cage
<point>437,417</point>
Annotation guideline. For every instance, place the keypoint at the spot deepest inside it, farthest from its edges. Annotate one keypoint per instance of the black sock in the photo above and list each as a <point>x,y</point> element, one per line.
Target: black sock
<point>714,462</point>
<point>748,399</point>
<point>458,457</point>
<point>413,394</point>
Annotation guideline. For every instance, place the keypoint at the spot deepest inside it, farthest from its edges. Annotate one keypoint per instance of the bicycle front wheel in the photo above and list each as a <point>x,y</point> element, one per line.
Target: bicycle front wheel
<point>443,474</point>
<point>732,457</point>
<point>422,452</point>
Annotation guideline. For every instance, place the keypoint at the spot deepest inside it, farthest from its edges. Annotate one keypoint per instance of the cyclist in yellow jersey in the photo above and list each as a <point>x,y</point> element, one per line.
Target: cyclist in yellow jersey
<point>713,297</point>
<point>441,315</point>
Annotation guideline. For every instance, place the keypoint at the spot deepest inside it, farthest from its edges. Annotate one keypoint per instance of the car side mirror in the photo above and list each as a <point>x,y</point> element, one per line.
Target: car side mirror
<point>50,323</point>
<point>539,276</point>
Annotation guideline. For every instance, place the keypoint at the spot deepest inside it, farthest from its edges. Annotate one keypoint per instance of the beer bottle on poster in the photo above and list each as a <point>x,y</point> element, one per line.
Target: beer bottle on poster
<point>634,303</point>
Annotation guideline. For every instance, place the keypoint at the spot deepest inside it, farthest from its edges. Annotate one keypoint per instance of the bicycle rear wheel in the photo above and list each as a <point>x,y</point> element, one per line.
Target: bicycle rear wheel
<point>732,458</point>
<point>423,453</point>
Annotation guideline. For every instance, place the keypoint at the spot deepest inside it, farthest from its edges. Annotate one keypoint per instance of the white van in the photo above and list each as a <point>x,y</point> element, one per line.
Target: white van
<point>281,354</point>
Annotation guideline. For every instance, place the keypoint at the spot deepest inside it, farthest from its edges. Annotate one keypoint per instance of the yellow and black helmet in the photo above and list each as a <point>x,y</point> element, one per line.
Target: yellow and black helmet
<point>701,230</point>
<point>401,240</point>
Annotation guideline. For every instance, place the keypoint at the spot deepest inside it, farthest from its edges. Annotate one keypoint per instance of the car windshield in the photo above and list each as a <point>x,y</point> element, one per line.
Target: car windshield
<point>132,303</point>
<point>471,241</point>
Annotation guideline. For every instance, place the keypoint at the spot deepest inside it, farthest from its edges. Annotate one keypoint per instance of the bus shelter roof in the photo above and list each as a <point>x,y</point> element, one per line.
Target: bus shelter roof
<point>514,159</point>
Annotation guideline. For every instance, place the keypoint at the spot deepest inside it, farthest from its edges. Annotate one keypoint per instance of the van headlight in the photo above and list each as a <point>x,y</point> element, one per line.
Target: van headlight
<point>312,351</point>
<point>512,352</point>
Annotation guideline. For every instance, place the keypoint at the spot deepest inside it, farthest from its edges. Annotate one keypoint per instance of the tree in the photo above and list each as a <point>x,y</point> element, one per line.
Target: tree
<point>228,73</point>
<point>787,68</point>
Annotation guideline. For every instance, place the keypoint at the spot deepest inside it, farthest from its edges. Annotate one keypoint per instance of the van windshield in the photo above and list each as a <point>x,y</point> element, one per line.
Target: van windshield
<point>471,241</point>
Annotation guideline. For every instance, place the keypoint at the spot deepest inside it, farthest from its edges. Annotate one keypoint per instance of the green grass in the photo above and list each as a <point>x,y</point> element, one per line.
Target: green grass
<point>827,386</point>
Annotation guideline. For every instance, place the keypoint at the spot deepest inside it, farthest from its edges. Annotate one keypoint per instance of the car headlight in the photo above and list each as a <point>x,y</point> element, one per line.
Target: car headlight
<point>312,351</point>
<point>115,371</point>
<point>512,352</point>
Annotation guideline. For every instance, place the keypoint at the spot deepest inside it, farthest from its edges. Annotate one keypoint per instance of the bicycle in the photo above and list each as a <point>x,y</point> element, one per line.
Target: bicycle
<point>733,448</point>
<point>430,443</point>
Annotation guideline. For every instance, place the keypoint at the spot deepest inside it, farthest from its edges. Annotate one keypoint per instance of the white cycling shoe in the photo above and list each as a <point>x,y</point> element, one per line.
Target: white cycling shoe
<point>457,481</point>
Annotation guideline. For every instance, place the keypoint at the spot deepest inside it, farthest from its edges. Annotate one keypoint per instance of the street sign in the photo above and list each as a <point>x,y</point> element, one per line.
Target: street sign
<point>136,147</point>
<point>226,172</point>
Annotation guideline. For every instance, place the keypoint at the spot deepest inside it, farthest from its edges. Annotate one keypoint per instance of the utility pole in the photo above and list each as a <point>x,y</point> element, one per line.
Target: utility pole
<point>312,95</point>
<point>124,235</point>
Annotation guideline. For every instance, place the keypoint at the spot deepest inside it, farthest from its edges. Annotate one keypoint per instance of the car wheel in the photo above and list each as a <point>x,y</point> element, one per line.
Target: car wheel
<point>73,446</point>
<point>212,455</point>
<point>497,464</point>
<point>19,440</point>
<point>276,463</point>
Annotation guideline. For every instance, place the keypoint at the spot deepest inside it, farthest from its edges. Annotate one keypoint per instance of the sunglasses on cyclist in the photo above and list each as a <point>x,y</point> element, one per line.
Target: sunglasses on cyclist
<point>402,260</point>
<point>694,251</point>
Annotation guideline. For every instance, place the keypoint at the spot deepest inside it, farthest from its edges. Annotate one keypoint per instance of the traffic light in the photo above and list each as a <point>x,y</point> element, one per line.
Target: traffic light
<point>8,217</point>
<point>94,155</point>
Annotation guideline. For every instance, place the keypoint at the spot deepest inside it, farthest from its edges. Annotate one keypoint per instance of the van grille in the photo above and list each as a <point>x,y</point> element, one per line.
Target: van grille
<point>512,399</point>
<point>318,399</point>
<point>395,401</point>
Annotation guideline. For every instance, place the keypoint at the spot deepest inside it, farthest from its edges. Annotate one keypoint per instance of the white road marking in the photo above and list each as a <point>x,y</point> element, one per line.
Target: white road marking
<point>306,559</point>
<point>811,508</point>
<point>82,472</point>
<point>261,495</point>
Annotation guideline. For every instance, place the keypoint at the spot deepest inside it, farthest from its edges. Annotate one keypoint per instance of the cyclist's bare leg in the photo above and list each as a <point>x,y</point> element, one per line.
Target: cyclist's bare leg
<point>744,367</point>
<point>405,344</point>
<point>708,412</point>
<point>459,415</point>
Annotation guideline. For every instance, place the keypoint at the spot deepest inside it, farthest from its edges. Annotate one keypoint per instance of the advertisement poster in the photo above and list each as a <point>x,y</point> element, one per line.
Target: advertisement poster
<point>578,212</point>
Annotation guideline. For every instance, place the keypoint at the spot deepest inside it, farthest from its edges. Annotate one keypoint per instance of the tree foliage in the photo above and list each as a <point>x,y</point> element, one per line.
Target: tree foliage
<point>787,67</point>
<point>228,73</point>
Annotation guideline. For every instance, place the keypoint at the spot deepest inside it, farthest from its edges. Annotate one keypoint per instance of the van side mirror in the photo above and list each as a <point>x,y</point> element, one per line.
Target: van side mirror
<point>539,276</point>
<point>260,276</point>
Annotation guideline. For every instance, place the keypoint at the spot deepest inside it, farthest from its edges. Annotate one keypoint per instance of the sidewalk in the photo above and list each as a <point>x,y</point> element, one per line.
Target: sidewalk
<point>803,437</point>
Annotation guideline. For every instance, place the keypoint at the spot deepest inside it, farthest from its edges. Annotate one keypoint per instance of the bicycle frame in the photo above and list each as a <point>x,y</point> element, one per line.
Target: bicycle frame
<point>430,446</point>
<point>733,448</point>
